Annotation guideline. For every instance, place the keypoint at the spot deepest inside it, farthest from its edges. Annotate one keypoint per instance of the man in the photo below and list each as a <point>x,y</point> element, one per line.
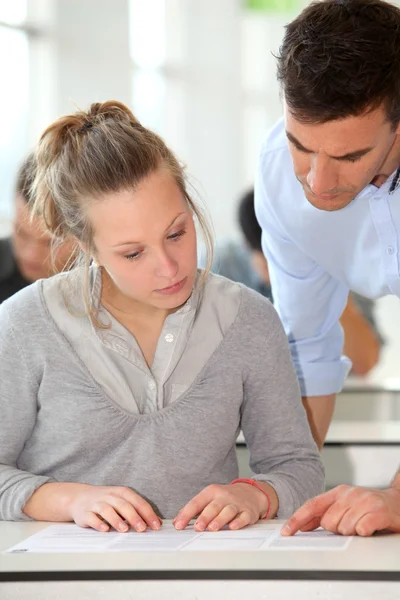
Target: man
<point>328,201</point>
<point>247,264</point>
<point>26,256</point>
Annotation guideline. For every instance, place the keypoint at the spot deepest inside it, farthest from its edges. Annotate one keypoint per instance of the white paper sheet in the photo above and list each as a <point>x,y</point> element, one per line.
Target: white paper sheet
<point>310,540</point>
<point>69,538</point>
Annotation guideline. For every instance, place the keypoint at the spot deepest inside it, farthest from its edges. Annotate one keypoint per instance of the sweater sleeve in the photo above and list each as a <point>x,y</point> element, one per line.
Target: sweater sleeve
<point>273,420</point>
<point>18,409</point>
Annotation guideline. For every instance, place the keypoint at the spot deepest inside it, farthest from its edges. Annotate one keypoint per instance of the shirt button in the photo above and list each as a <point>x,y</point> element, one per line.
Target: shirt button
<point>152,385</point>
<point>169,337</point>
<point>390,250</point>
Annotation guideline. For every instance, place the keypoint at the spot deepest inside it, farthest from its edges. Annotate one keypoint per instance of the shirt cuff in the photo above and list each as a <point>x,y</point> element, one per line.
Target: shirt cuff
<point>323,379</point>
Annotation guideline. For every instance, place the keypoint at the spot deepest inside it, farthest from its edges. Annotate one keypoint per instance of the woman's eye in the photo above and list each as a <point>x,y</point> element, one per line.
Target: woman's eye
<point>133,256</point>
<point>175,236</point>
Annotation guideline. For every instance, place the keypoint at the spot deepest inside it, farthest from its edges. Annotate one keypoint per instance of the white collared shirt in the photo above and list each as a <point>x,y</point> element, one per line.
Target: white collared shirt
<point>315,257</point>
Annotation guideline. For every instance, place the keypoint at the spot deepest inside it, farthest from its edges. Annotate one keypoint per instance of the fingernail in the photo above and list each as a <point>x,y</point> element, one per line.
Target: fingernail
<point>285,530</point>
<point>199,526</point>
<point>103,527</point>
<point>156,525</point>
<point>234,525</point>
<point>123,527</point>
<point>179,525</point>
<point>140,526</point>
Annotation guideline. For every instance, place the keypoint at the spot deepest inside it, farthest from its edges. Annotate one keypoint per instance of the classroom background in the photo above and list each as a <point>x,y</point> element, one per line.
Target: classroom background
<point>200,72</point>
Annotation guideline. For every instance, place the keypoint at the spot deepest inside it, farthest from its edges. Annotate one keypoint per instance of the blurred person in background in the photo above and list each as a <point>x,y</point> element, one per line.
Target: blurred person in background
<point>245,262</point>
<point>26,256</point>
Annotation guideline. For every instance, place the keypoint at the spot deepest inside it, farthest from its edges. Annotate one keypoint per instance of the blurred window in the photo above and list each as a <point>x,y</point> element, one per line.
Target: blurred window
<point>14,99</point>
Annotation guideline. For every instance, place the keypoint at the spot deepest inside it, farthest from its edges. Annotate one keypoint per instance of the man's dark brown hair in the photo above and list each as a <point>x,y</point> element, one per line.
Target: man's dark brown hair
<point>340,58</point>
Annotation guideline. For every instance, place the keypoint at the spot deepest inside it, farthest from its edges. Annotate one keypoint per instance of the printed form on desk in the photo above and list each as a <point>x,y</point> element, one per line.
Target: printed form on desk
<point>68,537</point>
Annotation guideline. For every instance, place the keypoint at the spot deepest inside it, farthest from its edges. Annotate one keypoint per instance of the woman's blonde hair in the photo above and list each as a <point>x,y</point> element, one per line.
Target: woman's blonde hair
<point>88,154</point>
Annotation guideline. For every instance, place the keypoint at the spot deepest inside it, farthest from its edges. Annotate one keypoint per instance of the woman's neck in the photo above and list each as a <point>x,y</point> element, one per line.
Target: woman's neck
<point>124,307</point>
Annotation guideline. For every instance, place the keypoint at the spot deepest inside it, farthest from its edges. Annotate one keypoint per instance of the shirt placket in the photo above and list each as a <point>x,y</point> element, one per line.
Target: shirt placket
<point>385,228</point>
<point>165,354</point>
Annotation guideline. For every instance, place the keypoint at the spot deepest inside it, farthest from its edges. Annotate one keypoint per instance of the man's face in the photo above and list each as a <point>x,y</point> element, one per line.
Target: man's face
<point>32,245</point>
<point>334,161</point>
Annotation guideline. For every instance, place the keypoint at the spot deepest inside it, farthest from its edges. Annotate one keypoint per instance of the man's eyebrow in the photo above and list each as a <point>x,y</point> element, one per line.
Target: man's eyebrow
<point>133,243</point>
<point>349,155</point>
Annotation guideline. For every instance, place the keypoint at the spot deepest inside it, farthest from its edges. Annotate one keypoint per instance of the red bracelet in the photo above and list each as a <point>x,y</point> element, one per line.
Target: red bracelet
<point>258,486</point>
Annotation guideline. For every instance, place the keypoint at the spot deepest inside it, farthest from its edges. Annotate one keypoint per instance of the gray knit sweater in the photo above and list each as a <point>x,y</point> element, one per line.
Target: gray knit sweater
<point>58,424</point>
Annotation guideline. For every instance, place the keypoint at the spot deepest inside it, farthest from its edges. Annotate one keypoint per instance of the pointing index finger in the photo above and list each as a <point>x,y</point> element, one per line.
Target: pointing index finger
<point>312,510</point>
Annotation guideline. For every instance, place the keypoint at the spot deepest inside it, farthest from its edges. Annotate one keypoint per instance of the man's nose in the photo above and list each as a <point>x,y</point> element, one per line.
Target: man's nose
<point>322,177</point>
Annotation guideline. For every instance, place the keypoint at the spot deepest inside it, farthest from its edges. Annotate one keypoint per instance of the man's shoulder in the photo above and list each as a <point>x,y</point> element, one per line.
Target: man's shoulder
<point>278,194</point>
<point>276,165</point>
<point>275,144</point>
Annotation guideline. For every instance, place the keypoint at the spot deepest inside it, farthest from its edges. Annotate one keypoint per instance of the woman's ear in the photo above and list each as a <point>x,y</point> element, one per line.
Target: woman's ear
<point>81,245</point>
<point>85,250</point>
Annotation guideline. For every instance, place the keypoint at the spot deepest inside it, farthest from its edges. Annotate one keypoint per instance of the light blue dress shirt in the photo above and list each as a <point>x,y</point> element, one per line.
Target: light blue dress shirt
<point>315,257</point>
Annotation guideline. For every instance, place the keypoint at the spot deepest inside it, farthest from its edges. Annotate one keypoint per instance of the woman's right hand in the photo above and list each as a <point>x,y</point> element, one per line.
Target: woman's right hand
<point>99,507</point>
<point>119,506</point>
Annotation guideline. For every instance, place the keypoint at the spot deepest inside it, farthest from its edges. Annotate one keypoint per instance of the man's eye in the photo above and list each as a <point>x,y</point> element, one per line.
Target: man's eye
<point>299,149</point>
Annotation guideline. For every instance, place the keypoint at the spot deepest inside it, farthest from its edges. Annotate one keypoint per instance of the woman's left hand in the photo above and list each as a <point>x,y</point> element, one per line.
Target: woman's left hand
<point>235,505</point>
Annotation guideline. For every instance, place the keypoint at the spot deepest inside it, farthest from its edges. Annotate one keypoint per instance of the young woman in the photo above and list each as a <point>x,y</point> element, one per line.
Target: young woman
<point>125,382</point>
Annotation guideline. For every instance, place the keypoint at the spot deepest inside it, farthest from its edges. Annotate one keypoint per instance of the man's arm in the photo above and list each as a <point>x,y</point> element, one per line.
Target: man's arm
<point>309,301</point>
<point>361,344</point>
<point>319,411</point>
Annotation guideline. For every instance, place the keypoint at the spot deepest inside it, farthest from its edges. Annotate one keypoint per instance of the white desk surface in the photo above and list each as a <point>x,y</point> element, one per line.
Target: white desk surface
<point>376,558</point>
<point>364,432</point>
<point>371,384</point>
<point>358,432</point>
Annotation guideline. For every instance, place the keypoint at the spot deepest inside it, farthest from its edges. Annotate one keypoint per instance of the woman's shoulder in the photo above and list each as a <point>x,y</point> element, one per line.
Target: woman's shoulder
<point>21,304</point>
<point>22,320</point>
<point>26,310</point>
<point>230,298</point>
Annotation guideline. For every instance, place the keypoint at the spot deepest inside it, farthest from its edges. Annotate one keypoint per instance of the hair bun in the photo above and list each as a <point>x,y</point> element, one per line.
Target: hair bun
<point>112,109</point>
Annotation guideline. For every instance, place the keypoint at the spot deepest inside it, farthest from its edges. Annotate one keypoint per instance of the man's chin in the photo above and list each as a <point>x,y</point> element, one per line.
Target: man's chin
<point>329,205</point>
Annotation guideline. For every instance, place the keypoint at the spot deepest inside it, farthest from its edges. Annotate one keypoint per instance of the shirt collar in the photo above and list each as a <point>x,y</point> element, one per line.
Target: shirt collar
<point>395,181</point>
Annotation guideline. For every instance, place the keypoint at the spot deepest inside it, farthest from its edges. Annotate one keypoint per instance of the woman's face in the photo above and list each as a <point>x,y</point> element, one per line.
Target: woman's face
<point>146,241</point>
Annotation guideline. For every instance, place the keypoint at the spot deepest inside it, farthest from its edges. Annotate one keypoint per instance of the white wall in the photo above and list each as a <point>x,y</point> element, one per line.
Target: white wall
<point>92,53</point>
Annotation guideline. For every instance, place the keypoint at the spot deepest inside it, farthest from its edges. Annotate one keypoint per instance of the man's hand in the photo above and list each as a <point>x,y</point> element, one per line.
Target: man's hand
<point>349,510</point>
